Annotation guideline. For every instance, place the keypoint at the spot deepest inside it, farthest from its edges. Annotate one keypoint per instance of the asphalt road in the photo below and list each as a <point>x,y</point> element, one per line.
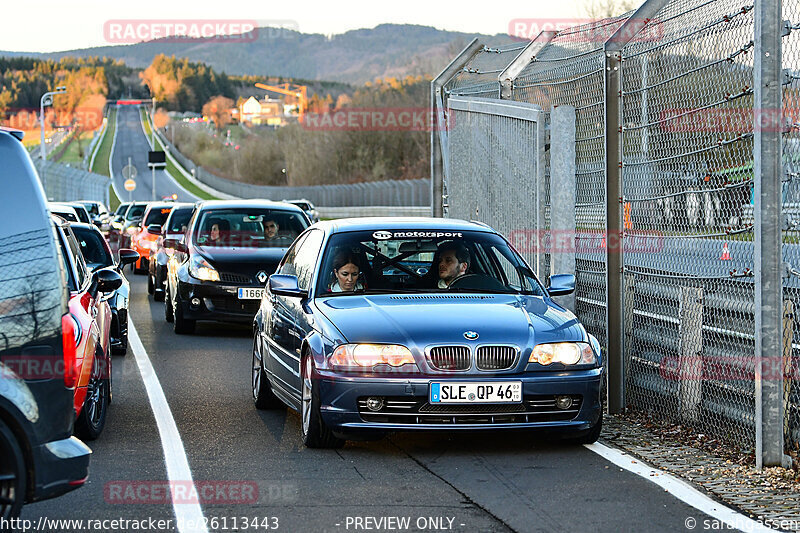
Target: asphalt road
<point>487,482</point>
<point>130,141</point>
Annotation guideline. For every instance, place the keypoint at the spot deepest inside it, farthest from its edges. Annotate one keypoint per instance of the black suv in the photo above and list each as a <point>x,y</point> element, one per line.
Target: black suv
<point>39,457</point>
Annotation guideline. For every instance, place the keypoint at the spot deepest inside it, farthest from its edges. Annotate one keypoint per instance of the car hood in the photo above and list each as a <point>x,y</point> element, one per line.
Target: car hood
<point>247,261</point>
<point>421,320</point>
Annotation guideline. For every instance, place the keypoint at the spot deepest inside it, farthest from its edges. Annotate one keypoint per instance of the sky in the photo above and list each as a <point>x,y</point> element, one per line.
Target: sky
<point>64,25</point>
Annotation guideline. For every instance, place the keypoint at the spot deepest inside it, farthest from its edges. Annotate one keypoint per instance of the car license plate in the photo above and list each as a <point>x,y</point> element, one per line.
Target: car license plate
<point>250,293</point>
<point>476,392</point>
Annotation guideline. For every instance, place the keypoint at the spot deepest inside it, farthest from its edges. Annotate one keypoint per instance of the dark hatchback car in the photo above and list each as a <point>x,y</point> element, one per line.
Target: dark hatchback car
<point>97,254</point>
<point>220,269</point>
<point>173,228</point>
<point>411,324</point>
<point>39,457</point>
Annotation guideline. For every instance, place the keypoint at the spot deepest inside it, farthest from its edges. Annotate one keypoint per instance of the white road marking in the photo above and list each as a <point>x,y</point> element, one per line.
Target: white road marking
<point>681,490</point>
<point>189,515</point>
<point>111,155</point>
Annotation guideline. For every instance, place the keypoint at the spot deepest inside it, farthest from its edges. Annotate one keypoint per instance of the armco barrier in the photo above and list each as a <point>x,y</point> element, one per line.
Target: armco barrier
<point>398,193</point>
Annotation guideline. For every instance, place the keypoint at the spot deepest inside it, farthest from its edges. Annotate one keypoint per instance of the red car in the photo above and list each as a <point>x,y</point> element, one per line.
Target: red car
<point>144,241</point>
<point>88,363</point>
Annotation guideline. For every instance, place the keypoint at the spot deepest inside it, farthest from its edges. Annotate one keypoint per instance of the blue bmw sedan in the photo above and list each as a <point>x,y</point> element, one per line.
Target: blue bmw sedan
<point>377,325</point>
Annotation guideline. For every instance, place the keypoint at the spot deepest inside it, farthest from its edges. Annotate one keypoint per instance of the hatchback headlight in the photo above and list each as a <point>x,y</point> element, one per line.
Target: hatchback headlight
<point>367,356</point>
<point>566,353</point>
<point>200,269</point>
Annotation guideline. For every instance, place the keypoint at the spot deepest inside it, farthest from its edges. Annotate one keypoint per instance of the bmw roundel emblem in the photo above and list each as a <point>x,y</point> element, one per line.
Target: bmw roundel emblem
<point>262,277</point>
<point>471,335</point>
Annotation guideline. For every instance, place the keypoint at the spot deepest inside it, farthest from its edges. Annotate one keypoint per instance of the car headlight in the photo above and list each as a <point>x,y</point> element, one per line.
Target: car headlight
<point>566,353</point>
<point>200,269</point>
<point>364,356</point>
<point>117,225</point>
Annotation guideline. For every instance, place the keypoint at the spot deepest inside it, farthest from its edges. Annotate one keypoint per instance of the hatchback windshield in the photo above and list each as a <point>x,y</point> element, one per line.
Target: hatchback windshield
<point>94,249</point>
<point>157,215</point>
<point>423,261</point>
<point>179,220</point>
<point>135,211</point>
<point>248,227</point>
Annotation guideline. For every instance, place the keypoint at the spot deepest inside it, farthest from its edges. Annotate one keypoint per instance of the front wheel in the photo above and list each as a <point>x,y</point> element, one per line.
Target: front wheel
<point>181,325</point>
<point>12,474</point>
<point>315,433</point>
<point>169,315</point>
<point>262,391</point>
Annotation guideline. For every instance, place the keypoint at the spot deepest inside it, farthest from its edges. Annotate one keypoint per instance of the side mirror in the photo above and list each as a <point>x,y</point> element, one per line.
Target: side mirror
<point>154,229</point>
<point>127,256</point>
<point>561,284</point>
<point>284,285</point>
<point>105,280</point>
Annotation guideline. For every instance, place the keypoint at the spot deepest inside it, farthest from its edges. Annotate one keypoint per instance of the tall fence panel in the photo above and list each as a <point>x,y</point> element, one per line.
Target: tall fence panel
<point>687,173</point>
<point>64,183</point>
<point>504,152</point>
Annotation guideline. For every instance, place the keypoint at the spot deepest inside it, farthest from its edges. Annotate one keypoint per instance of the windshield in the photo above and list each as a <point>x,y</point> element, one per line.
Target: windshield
<point>94,249</point>
<point>92,208</point>
<point>157,216</point>
<point>122,208</point>
<point>248,227</point>
<point>423,261</point>
<point>135,211</point>
<point>179,220</point>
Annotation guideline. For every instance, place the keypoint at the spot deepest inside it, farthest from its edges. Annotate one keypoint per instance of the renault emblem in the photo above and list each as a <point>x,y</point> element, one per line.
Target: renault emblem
<point>471,335</point>
<point>262,277</point>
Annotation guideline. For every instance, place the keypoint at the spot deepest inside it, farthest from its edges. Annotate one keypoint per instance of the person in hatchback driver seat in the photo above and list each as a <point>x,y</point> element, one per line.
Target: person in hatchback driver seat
<point>453,262</point>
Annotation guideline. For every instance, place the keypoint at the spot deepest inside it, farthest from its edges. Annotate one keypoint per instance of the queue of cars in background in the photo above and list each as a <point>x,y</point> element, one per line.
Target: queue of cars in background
<point>174,228</point>
<point>144,236</point>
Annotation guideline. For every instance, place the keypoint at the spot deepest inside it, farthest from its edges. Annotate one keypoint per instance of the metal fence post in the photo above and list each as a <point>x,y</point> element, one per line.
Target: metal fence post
<point>615,286</point>
<point>767,213</point>
<point>562,195</point>
<point>439,147</point>
<point>691,351</point>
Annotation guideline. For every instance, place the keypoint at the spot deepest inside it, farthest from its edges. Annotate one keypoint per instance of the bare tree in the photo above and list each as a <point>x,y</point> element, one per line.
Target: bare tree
<point>600,9</point>
<point>219,109</point>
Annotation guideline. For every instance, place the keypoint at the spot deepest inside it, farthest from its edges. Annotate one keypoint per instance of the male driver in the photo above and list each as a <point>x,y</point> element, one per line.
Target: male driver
<point>453,262</point>
<point>272,229</point>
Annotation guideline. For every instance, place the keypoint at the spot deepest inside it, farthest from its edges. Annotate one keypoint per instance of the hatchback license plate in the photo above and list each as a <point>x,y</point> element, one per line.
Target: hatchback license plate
<point>474,392</point>
<point>250,293</point>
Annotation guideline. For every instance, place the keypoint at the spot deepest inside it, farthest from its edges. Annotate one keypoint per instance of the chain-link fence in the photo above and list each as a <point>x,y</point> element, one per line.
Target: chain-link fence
<point>664,105</point>
<point>791,209</point>
<point>63,183</point>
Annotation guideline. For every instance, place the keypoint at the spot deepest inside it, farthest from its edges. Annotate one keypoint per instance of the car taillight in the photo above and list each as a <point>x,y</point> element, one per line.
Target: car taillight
<point>86,300</point>
<point>70,338</point>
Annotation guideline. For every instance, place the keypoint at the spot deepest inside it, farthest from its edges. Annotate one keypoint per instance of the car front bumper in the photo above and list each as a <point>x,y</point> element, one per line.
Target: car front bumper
<point>407,407</point>
<point>202,300</point>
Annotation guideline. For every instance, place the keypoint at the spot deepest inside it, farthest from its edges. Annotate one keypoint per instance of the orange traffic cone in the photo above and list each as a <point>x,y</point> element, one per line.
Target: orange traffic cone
<point>726,254</point>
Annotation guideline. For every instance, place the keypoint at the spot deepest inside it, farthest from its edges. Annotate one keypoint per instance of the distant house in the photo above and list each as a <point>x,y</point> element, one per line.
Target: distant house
<point>268,111</point>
